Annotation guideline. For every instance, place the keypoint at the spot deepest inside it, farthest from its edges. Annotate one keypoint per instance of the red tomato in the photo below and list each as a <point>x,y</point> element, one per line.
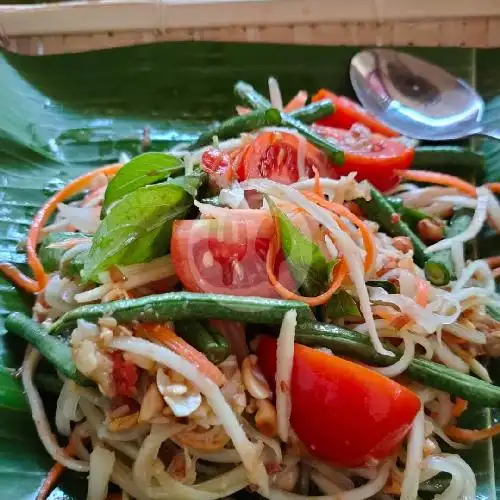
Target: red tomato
<point>373,156</point>
<point>125,376</point>
<point>217,165</point>
<point>274,155</point>
<point>343,412</point>
<point>226,256</point>
<point>347,113</point>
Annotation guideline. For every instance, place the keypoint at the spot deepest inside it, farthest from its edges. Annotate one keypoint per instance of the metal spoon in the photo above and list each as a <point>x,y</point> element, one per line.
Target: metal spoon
<point>416,98</point>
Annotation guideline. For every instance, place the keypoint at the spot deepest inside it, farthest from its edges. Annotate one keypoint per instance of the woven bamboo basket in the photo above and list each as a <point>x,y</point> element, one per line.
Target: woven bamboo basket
<point>75,26</point>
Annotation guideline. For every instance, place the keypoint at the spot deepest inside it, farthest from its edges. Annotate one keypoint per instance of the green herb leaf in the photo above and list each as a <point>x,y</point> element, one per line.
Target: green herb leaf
<point>342,304</point>
<point>51,257</point>
<point>142,170</point>
<point>309,267</point>
<point>190,183</point>
<point>137,228</point>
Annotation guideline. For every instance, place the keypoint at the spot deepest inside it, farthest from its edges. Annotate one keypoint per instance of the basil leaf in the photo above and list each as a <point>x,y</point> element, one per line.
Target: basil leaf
<point>51,257</point>
<point>340,305</point>
<point>137,228</point>
<point>308,265</point>
<point>190,183</point>
<point>142,170</point>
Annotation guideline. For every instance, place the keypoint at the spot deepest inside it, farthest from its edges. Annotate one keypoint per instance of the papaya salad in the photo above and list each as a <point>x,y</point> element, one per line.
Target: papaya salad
<point>290,305</point>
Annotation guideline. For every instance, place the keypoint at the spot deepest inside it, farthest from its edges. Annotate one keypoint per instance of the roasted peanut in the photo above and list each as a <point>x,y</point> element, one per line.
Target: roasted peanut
<point>152,404</point>
<point>253,379</point>
<point>402,243</point>
<point>430,230</point>
<point>124,423</point>
<point>266,418</point>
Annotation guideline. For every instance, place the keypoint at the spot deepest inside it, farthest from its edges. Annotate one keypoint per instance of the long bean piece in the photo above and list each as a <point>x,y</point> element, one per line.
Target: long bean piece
<point>412,216</point>
<point>210,342</point>
<point>439,269</point>
<point>236,125</point>
<point>251,97</point>
<point>189,306</point>
<point>179,306</point>
<point>358,346</point>
<point>379,210</point>
<point>55,350</point>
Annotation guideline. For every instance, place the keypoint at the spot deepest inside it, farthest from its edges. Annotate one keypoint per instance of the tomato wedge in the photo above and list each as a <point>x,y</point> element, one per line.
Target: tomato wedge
<point>347,113</point>
<point>275,156</point>
<point>344,413</point>
<point>373,156</point>
<point>225,256</point>
<point>125,375</point>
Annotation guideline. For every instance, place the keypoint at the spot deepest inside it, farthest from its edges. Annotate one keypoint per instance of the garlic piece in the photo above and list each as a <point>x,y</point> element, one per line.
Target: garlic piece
<point>182,405</point>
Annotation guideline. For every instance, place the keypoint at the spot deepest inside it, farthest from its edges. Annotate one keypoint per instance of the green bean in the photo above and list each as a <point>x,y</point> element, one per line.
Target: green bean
<point>307,114</point>
<point>379,210</point>
<point>358,346</point>
<point>439,269</point>
<point>313,111</point>
<point>236,125</point>
<point>178,306</point>
<point>209,342</point>
<point>190,306</point>
<point>443,157</point>
<point>251,97</point>
<point>412,216</point>
<point>335,154</point>
<point>55,350</point>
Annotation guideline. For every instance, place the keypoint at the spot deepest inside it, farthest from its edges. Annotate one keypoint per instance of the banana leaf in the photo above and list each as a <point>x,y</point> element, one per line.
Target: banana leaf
<point>61,115</point>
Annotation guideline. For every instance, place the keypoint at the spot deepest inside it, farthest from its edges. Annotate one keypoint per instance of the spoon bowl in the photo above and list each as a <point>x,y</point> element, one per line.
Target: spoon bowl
<point>417,98</point>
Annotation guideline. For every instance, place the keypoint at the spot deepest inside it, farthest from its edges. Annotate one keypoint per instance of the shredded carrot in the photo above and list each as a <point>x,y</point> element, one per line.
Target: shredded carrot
<point>493,187</point>
<point>393,484</point>
<point>397,320</point>
<point>339,209</point>
<point>471,435</point>
<point>167,337</point>
<point>401,321</point>
<point>48,209</point>
<point>317,183</point>
<point>455,346</point>
<point>459,407</point>
<point>438,178</point>
<point>296,102</point>
<point>55,473</point>
<point>339,273</point>
<point>19,278</point>
<point>451,339</point>
<point>353,207</point>
<point>422,295</point>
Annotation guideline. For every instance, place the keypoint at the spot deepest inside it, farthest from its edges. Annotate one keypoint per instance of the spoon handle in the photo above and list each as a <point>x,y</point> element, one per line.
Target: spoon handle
<point>492,132</point>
